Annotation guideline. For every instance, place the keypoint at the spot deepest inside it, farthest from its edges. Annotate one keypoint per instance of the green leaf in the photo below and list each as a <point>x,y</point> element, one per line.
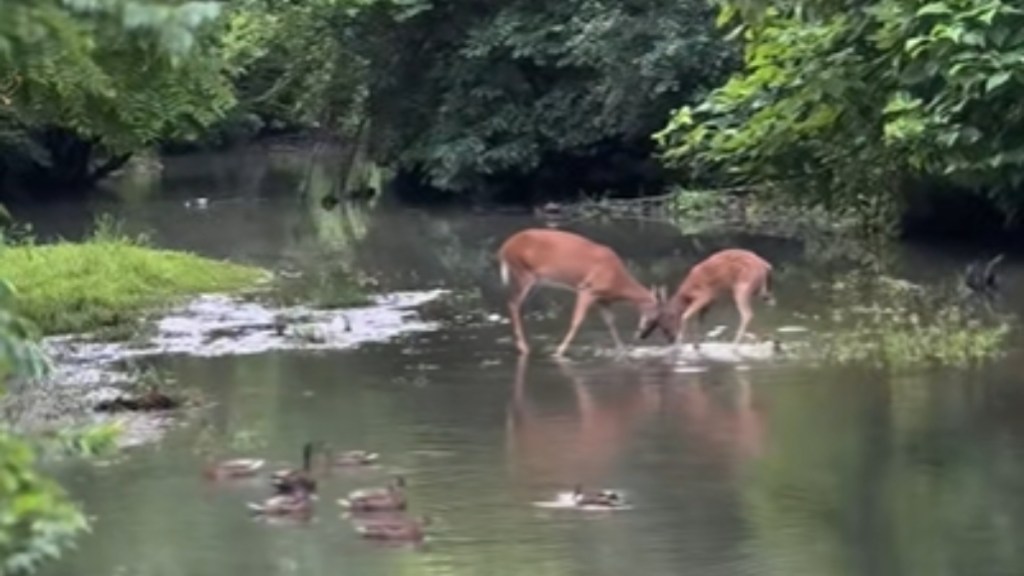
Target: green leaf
<point>934,8</point>
<point>996,80</point>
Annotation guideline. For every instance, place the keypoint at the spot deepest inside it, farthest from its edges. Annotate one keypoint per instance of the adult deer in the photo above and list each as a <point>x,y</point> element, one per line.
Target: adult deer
<point>540,256</point>
<point>739,272</point>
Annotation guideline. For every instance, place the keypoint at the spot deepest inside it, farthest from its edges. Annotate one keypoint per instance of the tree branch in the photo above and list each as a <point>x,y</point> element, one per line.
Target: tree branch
<point>112,164</point>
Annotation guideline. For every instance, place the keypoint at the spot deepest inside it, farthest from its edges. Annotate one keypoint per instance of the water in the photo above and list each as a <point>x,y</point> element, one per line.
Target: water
<point>774,469</point>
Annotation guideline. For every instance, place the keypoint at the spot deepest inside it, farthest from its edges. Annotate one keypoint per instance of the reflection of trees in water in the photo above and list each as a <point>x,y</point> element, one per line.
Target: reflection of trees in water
<point>337,230</point>
<point>895,477</point>
<point>322,244</point>
<point>415,250</point>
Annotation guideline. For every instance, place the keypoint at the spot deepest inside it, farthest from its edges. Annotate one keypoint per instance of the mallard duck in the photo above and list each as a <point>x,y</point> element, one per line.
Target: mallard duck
<point>375,499</point>
<point>354,458</point>
<point>406,529</point>
<point>235,468</point>
<point>297,503</point>
<point>606,498</point>
<point>288,480</point>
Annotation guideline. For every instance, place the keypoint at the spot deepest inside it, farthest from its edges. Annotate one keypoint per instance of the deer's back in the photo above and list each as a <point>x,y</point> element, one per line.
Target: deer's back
<point>558,256</point>
<point>725,269</point>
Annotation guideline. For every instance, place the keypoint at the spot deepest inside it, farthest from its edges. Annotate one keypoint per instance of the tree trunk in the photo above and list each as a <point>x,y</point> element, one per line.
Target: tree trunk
<point>71,169</point>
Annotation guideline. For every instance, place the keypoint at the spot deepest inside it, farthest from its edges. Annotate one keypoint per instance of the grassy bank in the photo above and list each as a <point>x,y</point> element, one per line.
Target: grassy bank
<point>109,280</point>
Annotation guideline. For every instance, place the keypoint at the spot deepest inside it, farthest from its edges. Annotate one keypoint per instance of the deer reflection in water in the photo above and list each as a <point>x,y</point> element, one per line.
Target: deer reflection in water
<point>569,448</point>
<point>718,420</point>
<point>721,417</point>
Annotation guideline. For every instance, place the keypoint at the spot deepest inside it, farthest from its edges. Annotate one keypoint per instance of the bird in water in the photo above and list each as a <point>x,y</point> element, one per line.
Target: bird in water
<point>329,201</point>
<point>354,458</point>
<point>391,497</point>
<point>603,498</point>
<point>235,468</point>
<point>393,529</point>
<point>298,503</point>
<point>290,480</point>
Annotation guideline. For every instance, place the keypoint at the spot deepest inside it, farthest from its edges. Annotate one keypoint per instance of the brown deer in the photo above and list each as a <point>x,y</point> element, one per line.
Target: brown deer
<point>739,272</point>
<point>540,256</point>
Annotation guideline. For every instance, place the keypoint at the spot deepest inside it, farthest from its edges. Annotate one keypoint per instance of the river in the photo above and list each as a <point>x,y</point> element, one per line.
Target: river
<point>757,470</point>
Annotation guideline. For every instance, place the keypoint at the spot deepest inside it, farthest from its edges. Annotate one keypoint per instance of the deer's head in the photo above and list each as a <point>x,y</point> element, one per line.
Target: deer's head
<point>656,316</point>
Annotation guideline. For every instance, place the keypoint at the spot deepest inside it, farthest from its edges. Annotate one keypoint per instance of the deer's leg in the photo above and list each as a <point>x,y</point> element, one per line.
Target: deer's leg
<point>609,321</point>
<point>696,307</point>
<point>742,294</point>
<point>521,289</point>
<point>583,301</point>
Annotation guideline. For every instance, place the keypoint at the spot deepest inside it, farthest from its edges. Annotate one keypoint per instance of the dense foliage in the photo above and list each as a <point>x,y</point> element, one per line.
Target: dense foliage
<point>458,94</point>
<point>871,107</point>
<point>561,95</point>
<point>866,105</point>
<point>86,84</point>
<point>461,95</point>
<point>36,519</point>
<point>293,64</point>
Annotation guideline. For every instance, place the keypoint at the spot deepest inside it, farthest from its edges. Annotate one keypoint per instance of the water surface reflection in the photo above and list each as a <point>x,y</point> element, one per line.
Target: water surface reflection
<point>769,470</point>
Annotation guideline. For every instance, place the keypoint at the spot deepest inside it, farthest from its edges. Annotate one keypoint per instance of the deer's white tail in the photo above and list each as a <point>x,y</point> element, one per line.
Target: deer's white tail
<point>504,273</point>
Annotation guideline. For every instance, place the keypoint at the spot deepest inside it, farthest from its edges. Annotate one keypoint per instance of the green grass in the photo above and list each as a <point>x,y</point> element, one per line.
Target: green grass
<point>110,280</point>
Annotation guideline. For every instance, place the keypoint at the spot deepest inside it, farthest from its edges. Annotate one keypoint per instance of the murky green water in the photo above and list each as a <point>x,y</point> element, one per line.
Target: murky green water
<point>768,470</point>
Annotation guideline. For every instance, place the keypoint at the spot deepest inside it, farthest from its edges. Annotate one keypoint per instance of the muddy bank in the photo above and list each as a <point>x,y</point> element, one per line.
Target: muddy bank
<point>88,372</point>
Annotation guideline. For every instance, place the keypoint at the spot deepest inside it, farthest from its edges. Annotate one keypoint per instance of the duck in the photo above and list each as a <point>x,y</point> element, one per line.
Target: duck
<point>296,503</point>
<point>354,458</point>
<point>376,499</point>
<point>289,480</point>
<point>234,468</point>
<point>605,498</point>
<point>329,201</point>
<point>404,529</point>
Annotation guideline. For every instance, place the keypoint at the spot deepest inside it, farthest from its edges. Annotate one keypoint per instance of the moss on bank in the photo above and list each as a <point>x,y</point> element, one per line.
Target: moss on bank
<point>110,281</point>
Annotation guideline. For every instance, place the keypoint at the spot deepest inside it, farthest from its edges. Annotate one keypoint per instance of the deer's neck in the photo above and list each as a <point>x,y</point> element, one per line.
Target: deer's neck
<point>634,292</point>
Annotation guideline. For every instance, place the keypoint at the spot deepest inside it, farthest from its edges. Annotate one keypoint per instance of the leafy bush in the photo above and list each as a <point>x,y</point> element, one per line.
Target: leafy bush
<point>857,107</point>
<point>36,519</point>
